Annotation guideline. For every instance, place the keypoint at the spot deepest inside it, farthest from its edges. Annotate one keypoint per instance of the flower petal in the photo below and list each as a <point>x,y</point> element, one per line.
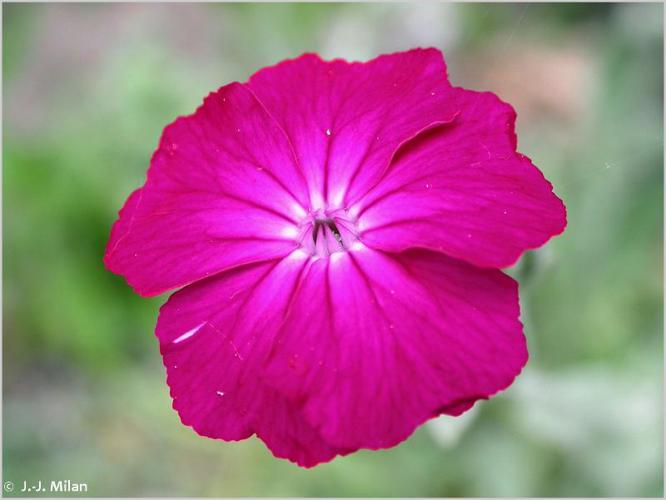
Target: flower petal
<point>214,337</point>
<point>223,189</point>
<point>375,344</point>
<point>463,190</point>
<point>345,120</point>
<point>283,428</point>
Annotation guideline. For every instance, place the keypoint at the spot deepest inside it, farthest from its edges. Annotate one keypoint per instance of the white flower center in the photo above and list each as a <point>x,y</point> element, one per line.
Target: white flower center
<point>325,232</point>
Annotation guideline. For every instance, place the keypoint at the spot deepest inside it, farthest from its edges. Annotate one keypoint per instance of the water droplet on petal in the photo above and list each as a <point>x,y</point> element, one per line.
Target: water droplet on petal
<point>428,186</point>
<point>328,131</point>
<point>220,393</point>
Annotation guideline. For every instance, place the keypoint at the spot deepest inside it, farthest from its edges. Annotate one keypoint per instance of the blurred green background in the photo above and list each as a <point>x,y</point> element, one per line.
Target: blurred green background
<point>87,90</point>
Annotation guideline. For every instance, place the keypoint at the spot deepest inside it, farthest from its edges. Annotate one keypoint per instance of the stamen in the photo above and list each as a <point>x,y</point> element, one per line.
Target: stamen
<point>330,224</point>
<point>327,232</point>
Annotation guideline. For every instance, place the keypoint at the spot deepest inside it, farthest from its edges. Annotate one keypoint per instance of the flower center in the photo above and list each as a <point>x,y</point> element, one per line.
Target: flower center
<point>325,232</point>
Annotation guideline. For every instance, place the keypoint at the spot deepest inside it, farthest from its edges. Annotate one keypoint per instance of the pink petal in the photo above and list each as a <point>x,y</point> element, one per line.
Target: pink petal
<point>346,120</point>
<point>284,430</point>
<point>223,189</point>
<point>374,344</point>
<point>463,190</point>
<point>214,337</point>
<point>418,335</point>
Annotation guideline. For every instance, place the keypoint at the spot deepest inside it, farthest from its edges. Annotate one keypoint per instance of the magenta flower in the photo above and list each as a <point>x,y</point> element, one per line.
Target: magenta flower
<point>336,230</point>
